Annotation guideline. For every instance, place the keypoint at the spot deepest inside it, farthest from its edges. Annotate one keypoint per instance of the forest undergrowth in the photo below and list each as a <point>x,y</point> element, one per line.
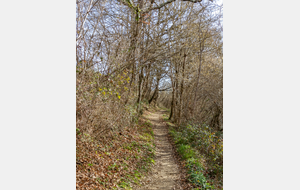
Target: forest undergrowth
<point>118,162</point>
<point>201,152</point>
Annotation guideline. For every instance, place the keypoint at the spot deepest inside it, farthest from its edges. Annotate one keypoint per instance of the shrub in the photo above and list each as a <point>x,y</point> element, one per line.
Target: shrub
<point>200,141</point>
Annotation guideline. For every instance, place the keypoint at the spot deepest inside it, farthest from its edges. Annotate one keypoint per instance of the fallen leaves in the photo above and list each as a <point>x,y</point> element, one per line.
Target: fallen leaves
<point>104,165</point>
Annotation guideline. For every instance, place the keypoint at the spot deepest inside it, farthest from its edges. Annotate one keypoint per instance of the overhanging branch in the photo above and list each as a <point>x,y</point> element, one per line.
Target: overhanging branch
<point>165,89</point>
<point>159,6</point>
<point>130,4</point>
<point>167,2</point>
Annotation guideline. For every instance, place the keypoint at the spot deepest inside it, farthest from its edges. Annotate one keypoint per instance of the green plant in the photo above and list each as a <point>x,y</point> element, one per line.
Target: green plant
<point>125,185</point>
<point>192,140</point>
<point>148,123</point>
<point>186,151</point>
<point>101,182</point>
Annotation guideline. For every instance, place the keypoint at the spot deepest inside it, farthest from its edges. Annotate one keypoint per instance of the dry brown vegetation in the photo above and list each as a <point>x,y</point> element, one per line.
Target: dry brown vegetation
<point>120,161</point>
<point>130,54</point>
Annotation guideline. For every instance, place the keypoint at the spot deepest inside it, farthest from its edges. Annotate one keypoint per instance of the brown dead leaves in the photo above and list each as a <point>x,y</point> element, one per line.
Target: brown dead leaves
<point>103,165</point>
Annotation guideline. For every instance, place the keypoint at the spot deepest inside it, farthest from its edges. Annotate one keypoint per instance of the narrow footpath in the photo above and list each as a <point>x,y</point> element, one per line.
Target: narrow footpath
<point>165,174</point>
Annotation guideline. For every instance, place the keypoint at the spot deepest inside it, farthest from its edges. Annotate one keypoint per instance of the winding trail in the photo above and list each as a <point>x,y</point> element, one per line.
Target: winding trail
<point>165,174</point>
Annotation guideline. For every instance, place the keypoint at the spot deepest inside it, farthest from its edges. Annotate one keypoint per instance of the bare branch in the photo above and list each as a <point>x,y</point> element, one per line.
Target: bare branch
<point>170,1</point>
<point>159,6</point>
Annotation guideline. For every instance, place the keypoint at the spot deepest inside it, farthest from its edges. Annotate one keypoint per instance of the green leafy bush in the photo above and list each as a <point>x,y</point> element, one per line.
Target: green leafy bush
<point>186,151</point>
<point>200,141</point>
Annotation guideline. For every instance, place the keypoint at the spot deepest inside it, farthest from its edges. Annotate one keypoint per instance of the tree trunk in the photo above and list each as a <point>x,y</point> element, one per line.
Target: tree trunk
<point>181,90</point>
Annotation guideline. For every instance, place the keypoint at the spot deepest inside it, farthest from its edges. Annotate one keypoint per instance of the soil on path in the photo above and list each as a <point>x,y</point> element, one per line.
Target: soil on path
<point>165,173</point>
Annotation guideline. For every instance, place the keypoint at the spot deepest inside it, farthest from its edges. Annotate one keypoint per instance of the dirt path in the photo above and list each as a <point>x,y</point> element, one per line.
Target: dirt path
<point>165,174</point>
